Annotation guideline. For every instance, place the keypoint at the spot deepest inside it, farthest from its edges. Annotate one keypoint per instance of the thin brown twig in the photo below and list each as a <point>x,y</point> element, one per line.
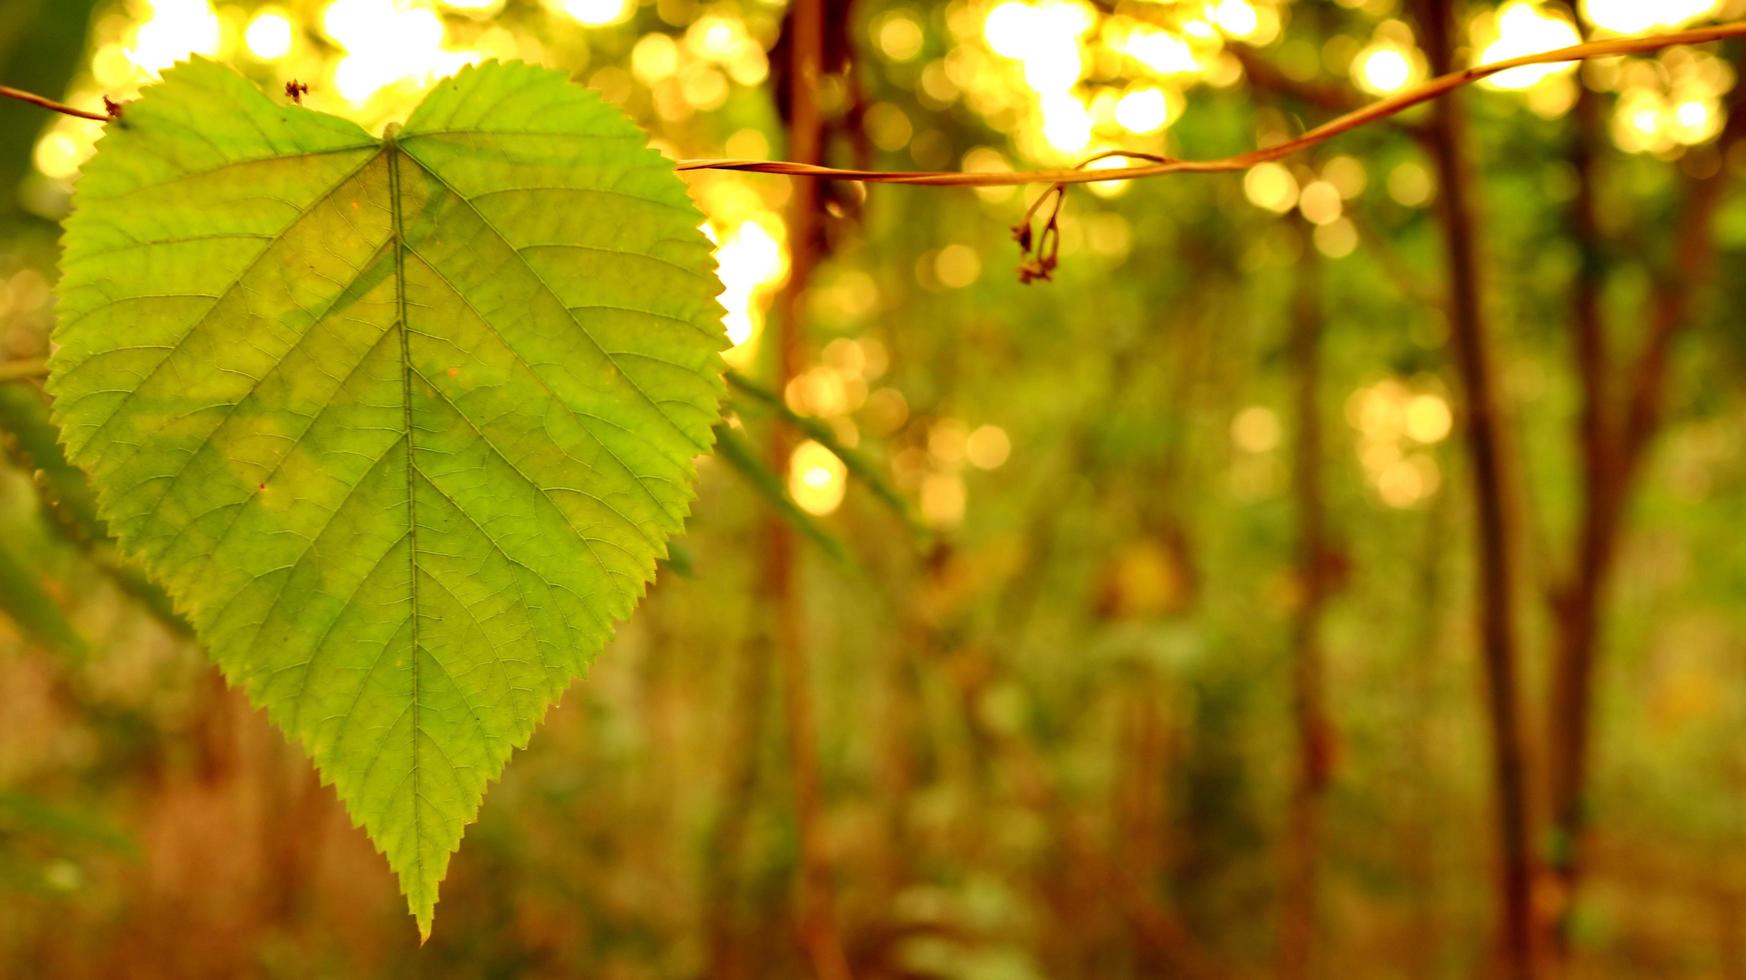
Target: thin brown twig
<point>1375,111</point>
<point>1382,109</point>
<point>7,91</point>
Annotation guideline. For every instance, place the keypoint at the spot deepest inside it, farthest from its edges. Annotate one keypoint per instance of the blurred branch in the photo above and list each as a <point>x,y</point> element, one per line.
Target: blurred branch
<point>1266,75</point>
<point>112,109</point>
<point>855,462</point>
<point>27,603</point>
<point>733,448</point>
<point>1692,266</point>
<point>35,367</point>
<point>29,439</point>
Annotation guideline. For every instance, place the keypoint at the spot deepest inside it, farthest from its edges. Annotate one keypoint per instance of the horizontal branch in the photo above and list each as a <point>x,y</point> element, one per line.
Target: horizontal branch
<point>7,91</point>
<point>1375,111</point>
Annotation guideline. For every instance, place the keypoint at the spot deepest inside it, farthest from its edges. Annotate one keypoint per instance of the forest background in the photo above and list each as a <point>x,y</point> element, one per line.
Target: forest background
<point>1331,571</point>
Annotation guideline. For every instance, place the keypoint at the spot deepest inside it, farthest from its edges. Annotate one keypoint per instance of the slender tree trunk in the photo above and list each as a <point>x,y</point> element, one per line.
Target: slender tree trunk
<point>898,769</point>
<point>1297,925</point>
<point>1423,817</point>
<point>750,701</point>
<point>1577,607</point>
<point>1612,451</point>
<point>1489,465</point>
<point>818,928</point>
<point>1136,843</point>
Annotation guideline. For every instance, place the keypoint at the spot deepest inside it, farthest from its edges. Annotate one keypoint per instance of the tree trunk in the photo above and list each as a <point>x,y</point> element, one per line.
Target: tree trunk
<point>818,930</point>
<point>1577,607</point>
<point>1297,924</point>
<point>1612,451</point>
<point>1483,431</point>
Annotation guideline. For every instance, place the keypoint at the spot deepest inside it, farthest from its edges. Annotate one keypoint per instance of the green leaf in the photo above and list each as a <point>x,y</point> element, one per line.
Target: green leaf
<point>403,425</point>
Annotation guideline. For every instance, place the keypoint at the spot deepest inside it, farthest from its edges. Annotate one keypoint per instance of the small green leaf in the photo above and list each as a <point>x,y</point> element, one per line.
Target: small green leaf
<point>403,425</point>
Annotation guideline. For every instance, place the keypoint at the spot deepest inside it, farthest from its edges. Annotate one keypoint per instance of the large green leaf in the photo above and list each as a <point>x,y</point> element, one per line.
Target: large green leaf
<point>403,425</point>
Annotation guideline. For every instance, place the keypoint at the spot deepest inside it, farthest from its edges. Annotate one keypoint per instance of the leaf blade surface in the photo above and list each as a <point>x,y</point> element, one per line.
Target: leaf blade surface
<point>403,425</point>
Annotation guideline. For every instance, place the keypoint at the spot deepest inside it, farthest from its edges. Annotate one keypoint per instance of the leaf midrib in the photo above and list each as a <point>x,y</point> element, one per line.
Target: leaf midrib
<point>392,149</point>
